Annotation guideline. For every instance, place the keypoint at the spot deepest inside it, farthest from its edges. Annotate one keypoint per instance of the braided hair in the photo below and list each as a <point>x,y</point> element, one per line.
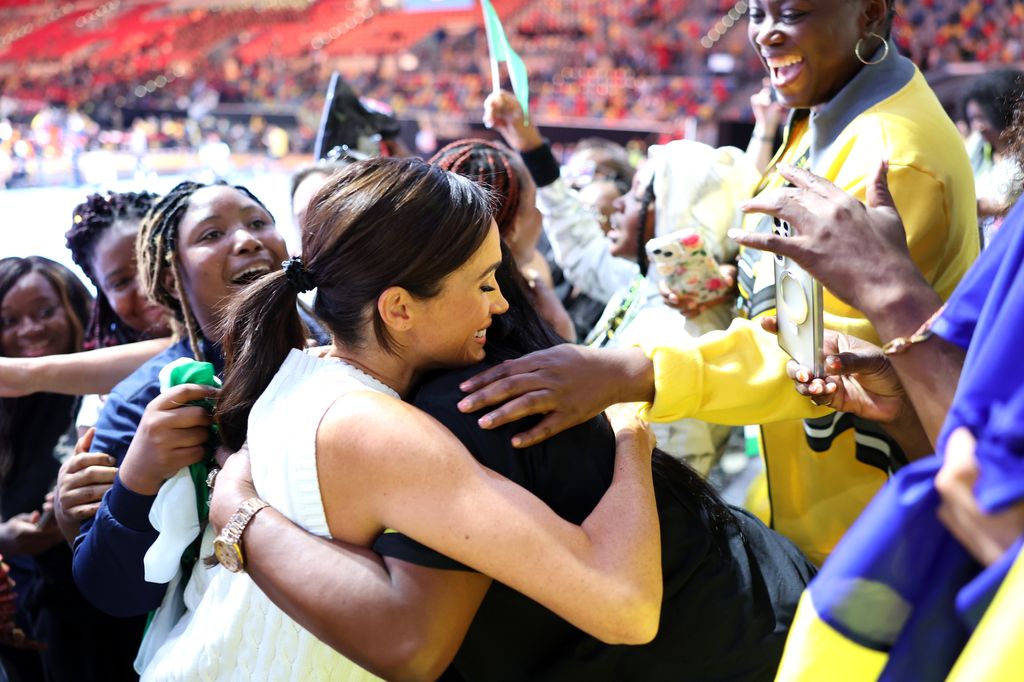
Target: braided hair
<point>488,164</point>
<point>91,220</point>
<point>156,253</point>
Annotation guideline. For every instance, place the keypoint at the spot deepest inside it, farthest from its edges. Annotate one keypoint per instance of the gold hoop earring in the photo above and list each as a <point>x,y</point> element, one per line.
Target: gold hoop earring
<point>885,51</point>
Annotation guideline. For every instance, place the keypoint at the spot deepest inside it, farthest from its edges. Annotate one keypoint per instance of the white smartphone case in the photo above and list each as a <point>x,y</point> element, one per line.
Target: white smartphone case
<point>800,310</point>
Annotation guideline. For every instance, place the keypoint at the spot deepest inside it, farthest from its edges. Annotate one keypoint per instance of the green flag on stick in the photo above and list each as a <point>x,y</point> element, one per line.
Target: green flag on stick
<point>501,51</point>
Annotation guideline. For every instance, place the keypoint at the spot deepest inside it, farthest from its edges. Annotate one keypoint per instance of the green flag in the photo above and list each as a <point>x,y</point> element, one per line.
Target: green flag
<point>501,51</point>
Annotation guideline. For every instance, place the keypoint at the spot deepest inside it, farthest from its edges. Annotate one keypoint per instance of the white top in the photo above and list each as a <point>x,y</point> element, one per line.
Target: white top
<point>230,629</point>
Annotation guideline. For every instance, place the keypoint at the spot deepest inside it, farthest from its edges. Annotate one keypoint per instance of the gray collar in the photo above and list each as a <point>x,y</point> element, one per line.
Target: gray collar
<point>874,83</point>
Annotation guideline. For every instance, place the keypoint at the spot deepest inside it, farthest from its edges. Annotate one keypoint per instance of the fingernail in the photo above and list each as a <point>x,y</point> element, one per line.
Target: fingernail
<point>517,442</point>
<point>465,386</point>
<point>464,405</point>
<point>485,422</point>
<point>803,376</point>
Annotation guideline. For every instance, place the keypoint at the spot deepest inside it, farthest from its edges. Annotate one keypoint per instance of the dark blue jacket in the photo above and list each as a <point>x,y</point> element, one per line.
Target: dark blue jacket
<point>108,565</point>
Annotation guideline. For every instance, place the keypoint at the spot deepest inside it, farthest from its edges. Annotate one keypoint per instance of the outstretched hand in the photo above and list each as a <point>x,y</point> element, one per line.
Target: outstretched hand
<point>858,378</point>
<point>857,252</point>
<point>568,384</point>
<point>503,113</point>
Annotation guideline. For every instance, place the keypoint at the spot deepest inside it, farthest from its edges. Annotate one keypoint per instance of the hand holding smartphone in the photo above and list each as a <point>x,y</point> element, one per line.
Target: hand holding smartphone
<point>682,259</point>
<point>800,310</point>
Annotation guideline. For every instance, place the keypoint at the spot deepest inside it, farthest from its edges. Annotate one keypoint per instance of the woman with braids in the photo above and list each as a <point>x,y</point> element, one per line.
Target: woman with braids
<point>196,249</point>
<point>339,455</point>
<point>43,310</point>
<point>519,221</point>
<point>102,243</point>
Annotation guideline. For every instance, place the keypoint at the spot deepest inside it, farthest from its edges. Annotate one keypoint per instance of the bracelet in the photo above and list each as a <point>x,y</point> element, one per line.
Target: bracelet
<point>765,138</point>
<point>901,344</point>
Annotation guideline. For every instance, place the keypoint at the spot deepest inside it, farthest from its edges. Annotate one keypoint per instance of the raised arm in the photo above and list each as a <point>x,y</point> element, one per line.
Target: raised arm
<point>576,237</point>
<point>94,371</point>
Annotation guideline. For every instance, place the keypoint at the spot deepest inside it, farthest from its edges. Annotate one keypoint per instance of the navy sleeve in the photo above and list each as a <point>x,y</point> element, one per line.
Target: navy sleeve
<point>108,554</point>
<point>119,419</point>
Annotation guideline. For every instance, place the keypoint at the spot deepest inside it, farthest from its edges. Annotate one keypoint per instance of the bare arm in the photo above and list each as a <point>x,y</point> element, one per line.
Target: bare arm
<point>94,371</point>
<point>768,116</point>
<point>604,577</point>
<point>348,595</point>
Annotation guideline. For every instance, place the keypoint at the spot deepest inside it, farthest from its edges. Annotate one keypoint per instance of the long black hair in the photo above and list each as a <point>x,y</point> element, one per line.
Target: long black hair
<point>521,330</point>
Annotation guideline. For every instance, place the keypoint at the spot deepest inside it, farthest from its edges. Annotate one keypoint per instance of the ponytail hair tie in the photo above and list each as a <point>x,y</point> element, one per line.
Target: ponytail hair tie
<point>298,275</point>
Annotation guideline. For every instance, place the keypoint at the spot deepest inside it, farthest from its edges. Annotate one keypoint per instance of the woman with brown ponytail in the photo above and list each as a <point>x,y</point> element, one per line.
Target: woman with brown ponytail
<point>540,564</point>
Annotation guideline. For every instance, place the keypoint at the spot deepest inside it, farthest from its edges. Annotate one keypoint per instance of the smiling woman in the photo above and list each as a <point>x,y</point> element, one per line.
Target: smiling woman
<point>855,102</point>
<point>196,249</point>
<point>43,310</point>
<point>40,308</point>
<point>810,47</point>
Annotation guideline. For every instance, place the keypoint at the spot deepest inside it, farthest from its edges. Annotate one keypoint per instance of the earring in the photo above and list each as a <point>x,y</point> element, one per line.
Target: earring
<point>885,51</point>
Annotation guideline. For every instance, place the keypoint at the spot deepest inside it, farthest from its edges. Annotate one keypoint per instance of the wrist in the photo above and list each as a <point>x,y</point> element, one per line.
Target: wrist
<point>138,482</point>
<point>900,308</point>
<point>525,139</point>
<point>227,497</point>
<point>636,372</point>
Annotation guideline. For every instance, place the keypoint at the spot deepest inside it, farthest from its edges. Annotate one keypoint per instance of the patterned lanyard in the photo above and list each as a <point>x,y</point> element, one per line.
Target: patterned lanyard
<point>619,317</point>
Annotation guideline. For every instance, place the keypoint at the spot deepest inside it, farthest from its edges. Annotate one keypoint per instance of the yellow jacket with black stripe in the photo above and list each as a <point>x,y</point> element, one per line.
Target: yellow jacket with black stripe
<point>823,467</point>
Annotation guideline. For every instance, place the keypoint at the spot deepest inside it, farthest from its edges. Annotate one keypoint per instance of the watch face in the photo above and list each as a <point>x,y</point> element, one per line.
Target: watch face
<point>228,554</point>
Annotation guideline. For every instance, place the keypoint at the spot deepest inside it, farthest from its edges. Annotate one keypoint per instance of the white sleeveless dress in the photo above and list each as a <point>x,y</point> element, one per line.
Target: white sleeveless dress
<point>230,629</point>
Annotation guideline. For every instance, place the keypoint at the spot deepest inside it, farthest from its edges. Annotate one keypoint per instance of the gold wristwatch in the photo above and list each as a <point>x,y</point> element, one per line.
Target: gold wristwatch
<point>227,546</point>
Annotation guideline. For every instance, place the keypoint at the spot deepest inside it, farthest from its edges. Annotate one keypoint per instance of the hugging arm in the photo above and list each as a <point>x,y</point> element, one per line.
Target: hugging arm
<point>603,576</point>
<point>94,371</point>
<point>348,595</point>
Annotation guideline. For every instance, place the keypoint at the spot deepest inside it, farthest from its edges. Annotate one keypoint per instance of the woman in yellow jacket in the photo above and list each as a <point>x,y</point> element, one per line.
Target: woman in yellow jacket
<point>854,101</point>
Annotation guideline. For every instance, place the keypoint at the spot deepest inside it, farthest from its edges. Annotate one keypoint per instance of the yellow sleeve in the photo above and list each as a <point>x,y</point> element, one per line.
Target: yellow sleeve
<point>735,376</point>
<point>993,651</point>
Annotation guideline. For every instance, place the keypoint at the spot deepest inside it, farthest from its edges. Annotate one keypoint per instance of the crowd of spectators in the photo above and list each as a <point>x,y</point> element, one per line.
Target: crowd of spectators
<point>590,62</point>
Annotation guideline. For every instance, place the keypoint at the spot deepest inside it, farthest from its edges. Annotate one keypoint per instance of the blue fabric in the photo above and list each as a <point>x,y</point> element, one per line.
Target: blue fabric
<point>898,581</point>
<point>108,551</point>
